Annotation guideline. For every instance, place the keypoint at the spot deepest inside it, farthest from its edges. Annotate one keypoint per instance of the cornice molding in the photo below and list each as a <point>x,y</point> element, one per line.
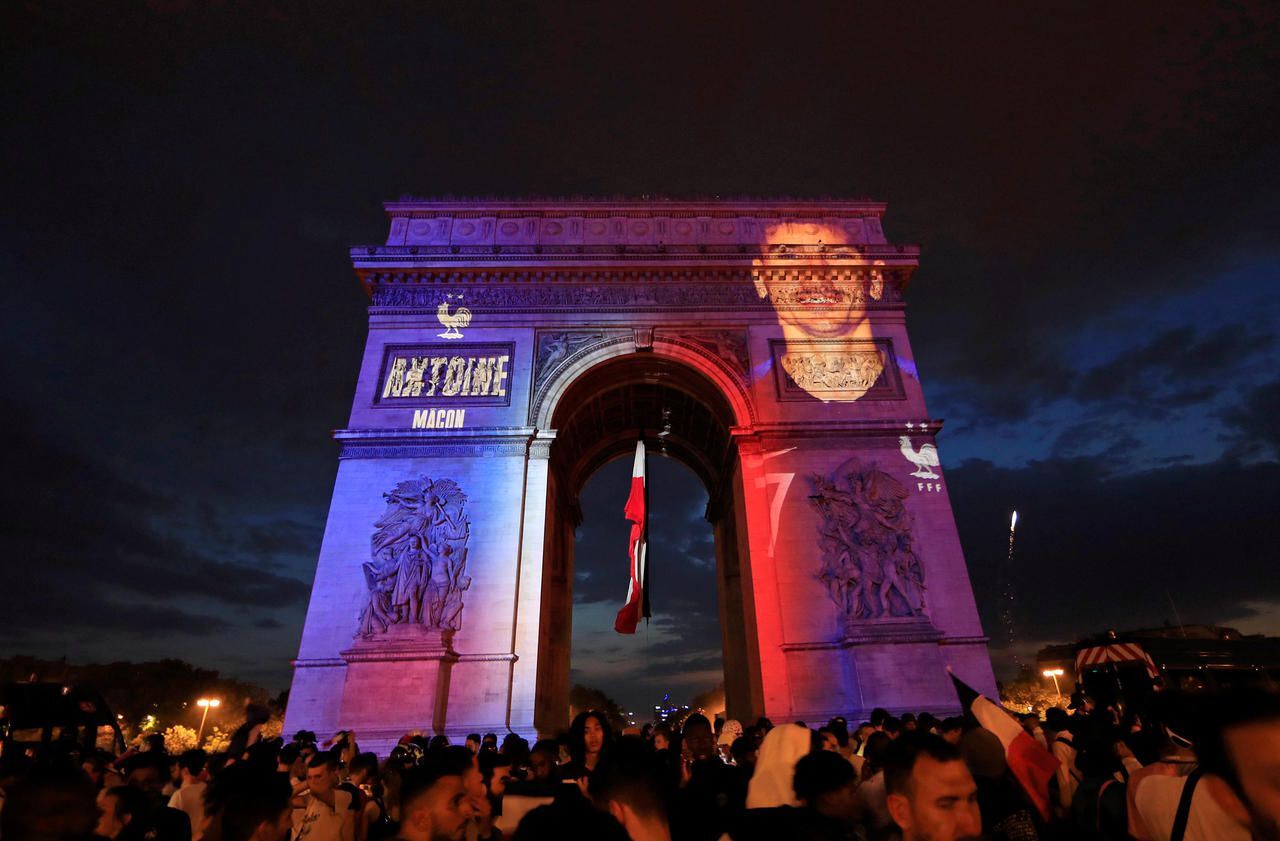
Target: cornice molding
<point>363,256</point>
<point>407,443</point>
<point>551,206</point>
<point>860,428</point>
<point>412,291</point>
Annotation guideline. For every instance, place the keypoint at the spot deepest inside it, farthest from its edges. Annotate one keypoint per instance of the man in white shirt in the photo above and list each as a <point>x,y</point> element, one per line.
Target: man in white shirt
<point>1158,800</point>
<point>1063,748</point>
<point>189,798</point>
<point>1240,758</point>
<point>326,813</point>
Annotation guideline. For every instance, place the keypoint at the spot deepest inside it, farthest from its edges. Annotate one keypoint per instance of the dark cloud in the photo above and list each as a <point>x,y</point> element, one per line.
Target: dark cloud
<point>1255,424</point>
<point>44,607</point>
<point>1176,368</point>
<point>105,545</point>
<point>1102,437</point>
<point>282,537</point>
<point>156,565</point>
<point>1098,550</point>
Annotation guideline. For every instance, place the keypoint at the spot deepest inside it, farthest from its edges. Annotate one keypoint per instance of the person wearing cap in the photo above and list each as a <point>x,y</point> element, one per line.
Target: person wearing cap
<point>730,732</point>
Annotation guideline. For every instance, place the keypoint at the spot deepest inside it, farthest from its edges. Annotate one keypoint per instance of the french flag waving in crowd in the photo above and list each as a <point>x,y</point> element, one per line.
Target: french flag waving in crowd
<point>1030,763</point>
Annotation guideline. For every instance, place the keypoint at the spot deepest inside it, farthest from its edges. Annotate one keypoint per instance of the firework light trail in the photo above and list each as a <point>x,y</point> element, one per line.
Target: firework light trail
<point>1007,596</point>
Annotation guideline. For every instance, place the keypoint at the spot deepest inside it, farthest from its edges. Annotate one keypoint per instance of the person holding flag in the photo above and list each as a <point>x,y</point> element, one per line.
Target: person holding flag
<point>1031,765</point>
<point>637,511</point>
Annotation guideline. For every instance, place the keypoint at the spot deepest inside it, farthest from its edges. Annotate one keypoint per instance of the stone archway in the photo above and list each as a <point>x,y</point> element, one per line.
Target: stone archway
<point>599,409</point>
<point>516,345</point>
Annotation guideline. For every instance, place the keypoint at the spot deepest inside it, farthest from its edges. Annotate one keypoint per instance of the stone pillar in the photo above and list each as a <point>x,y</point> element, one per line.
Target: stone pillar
<point>762,610</point>
<point>528,581</point>
<point>733,627</point>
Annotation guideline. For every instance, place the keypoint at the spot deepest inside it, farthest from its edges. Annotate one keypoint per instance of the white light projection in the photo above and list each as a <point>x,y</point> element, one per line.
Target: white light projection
<point>455,321</point>
<point>820,300</point>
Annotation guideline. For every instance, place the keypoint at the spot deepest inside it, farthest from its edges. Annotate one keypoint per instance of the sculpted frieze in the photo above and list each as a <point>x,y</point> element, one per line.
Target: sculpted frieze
<point>819,292</point>
<point>658,294</point>
<point>806,287</point>
<point>417,572</point>
<point>556,348</point>
<point>861,368</point>
<point>480,297</point>
<point>869,563</point>
<point>728,346</point>
<point>831,371</point>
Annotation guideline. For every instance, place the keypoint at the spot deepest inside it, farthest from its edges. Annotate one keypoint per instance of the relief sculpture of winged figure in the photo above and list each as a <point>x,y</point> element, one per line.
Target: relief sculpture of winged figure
<point>416,574</point>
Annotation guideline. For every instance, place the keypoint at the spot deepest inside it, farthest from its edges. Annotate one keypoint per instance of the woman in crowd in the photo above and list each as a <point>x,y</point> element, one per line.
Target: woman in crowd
<point>589,738</point>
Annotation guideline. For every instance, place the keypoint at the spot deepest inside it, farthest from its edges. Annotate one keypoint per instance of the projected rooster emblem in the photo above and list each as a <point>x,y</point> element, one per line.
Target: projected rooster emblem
<point>452,321</point>
<point>925,459</point>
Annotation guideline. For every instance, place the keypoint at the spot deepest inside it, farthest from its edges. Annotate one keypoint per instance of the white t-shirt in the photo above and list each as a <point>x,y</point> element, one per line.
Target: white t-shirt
<point>190,799</point>
<point>320,823</point>
<point>1157,803</point>
<point>1064,751</point>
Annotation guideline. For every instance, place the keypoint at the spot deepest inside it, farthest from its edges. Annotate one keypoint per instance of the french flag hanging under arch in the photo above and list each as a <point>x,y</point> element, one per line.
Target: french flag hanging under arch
<point>637,511</point>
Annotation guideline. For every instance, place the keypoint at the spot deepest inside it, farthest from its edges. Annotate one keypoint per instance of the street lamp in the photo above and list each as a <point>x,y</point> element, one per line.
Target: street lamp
<point>206,703</point>
<point>1055,674</point>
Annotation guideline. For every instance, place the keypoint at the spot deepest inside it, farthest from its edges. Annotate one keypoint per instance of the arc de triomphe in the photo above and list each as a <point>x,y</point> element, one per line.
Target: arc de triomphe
<point>516,346</point>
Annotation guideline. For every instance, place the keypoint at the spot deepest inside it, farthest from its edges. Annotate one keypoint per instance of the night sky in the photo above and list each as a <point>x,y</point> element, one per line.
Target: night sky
<point>1097,193</point>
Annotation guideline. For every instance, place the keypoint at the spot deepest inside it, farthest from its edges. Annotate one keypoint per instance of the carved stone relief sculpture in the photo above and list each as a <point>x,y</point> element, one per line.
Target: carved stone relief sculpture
<point>728,346</point>
<point>417,571</point>
<point>840,370</point>
<point>869,563</point>
<point>823,371</point>
<point>555,347</point>
<point>558,348</point>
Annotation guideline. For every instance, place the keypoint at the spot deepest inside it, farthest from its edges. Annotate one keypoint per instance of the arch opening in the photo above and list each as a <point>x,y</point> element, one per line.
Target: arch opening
<point>680,651</point>
<point>683,415</point>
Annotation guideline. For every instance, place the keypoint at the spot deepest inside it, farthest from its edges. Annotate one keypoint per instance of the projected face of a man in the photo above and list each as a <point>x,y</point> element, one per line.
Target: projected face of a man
<point>815,299</point>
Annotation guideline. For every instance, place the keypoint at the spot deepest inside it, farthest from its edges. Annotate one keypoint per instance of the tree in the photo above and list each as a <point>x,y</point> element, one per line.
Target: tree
<point>164,689</point>
<point>178,739</point>
<point>583,698</point>
<point>217,740</point>
<point>1027,694</point>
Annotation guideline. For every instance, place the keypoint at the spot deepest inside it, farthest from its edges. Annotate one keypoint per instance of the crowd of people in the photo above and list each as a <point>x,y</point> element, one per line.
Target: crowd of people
<point>1202,771</point>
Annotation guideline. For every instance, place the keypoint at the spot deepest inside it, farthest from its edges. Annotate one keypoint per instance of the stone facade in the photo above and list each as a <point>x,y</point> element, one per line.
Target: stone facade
<point>514,347</point>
